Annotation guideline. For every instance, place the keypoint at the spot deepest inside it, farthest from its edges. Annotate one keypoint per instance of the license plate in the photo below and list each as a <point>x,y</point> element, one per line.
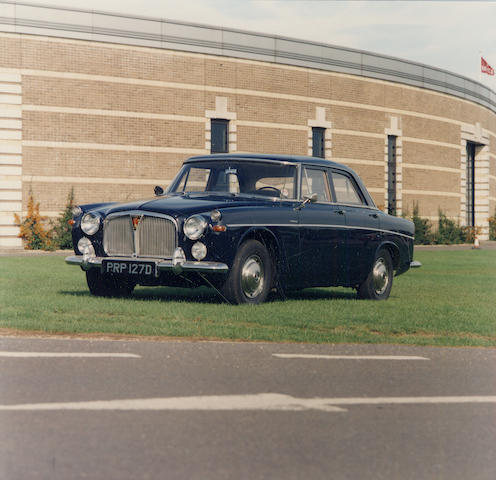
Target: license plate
<point>129,267</point>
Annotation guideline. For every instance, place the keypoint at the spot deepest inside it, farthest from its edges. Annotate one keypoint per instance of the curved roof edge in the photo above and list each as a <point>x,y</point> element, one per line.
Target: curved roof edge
<point>174,35</point>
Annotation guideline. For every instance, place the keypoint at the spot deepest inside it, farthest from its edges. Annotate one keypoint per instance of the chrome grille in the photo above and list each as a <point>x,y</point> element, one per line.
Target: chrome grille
<point>153,237</point>
<point>118,237</point>
<point>156,237</point>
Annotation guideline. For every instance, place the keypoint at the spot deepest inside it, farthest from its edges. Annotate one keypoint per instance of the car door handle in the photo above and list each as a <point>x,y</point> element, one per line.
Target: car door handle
<point>373,215</point>
<point>340,212</point>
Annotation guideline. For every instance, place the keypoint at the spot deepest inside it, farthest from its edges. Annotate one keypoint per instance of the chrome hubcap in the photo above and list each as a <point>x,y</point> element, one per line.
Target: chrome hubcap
<point>381,276</point>
<point>252,276</point>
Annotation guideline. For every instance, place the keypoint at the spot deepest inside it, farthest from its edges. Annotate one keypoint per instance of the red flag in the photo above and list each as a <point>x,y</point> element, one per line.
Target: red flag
<point>486,68</point>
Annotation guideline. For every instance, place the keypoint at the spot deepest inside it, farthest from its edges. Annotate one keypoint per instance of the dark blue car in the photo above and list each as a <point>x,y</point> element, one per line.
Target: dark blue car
<point>246,224</point>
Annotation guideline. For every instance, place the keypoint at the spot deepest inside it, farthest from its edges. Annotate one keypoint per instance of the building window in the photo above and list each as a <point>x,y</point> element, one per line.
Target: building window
<point>391,174</point>
<point>219,136</point>
<point>471,184</point>
<point>318,142</point>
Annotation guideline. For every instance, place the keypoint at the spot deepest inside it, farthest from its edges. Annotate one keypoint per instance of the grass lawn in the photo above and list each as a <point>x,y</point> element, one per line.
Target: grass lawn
<point>449,301</point>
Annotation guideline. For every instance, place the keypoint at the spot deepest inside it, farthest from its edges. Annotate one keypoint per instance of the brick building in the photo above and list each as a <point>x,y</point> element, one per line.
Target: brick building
<point>111,105</point>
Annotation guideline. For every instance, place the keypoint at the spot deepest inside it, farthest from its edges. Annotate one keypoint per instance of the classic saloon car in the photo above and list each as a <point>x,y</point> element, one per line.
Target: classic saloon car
<point>246,224</point>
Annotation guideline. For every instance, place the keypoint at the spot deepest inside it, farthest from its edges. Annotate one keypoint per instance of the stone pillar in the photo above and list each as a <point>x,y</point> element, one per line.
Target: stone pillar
<point>10,157</point>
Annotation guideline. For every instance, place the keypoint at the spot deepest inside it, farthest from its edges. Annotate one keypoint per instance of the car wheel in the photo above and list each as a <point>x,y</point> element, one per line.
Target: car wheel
<point>379,282</point>
<point>108,286</point>
<point>250,278</point>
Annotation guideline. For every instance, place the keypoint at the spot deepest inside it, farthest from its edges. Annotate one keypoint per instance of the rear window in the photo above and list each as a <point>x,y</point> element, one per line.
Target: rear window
<point>346,190</point>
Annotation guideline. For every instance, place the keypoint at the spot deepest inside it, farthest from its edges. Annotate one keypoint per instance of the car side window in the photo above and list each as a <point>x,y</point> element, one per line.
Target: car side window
<point>345,189</point>
<point>315,181</point>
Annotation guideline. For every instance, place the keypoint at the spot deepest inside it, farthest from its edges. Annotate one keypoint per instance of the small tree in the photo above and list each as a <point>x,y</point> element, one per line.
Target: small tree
<point>449,232</point>
<point>423,235</point>
<point>492,226</point>
<point>32,228</point>
<point>62,231</point>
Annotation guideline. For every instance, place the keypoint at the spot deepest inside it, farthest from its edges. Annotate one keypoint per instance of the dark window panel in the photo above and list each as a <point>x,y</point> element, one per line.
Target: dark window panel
<point>391,175</point>
<point>219,136</point>
<point>318,142</point>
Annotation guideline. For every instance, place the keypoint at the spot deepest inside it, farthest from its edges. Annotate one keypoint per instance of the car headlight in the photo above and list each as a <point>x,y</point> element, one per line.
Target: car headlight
<point>215,215</point>
<point>76,211</point>
<point>85,247</point>
<point>194,227</point>
<point>90,223</point>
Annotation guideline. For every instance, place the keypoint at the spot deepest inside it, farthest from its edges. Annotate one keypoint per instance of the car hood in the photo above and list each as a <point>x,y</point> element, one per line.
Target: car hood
<point>177,205</point>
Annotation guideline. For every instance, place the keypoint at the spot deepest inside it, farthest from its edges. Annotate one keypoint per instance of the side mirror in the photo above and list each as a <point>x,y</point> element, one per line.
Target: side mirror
<point>158,190</point>
<point>308,199</point>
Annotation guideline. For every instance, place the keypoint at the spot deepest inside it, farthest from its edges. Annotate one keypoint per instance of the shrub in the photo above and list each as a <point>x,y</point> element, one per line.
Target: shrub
<point>32,228</point>
<point>492,226</point>
<point>449,232</point>
<point>62,231</point>
<point>423,235</point>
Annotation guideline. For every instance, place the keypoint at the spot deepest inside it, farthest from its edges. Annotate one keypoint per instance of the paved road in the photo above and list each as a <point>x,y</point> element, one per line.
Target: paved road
<point>179,410</point>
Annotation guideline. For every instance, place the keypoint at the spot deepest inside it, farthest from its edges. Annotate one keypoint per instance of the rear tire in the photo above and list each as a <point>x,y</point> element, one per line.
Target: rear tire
<point>250,278</point>
<point>379,282</point>
<point>108,286</point>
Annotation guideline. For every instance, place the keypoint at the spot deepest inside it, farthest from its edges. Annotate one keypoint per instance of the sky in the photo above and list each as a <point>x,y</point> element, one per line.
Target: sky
<point>451,35</point>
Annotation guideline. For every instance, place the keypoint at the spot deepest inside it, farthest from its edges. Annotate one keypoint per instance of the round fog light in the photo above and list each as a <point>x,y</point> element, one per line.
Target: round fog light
<point>199,251</point>
<point>85,246</point>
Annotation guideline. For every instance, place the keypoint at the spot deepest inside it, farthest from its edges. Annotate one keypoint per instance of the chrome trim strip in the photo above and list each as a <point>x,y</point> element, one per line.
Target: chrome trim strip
<point>238,159</point>
<point>314,225</point>
<point>162,265</point>
<point>140,213</point>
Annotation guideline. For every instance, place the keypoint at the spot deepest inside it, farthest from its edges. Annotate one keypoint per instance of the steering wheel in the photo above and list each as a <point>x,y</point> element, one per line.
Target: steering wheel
<point>270,189</point>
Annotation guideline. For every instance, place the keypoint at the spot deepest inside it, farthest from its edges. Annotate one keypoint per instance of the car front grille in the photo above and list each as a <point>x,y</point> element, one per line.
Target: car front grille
<point>153,236</point>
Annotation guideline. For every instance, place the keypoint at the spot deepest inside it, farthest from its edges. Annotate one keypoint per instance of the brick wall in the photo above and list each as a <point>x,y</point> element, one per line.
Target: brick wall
<point>113,120</point>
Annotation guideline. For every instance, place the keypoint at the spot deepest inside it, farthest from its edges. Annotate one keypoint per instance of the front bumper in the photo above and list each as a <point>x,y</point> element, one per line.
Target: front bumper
<point>177,267</point>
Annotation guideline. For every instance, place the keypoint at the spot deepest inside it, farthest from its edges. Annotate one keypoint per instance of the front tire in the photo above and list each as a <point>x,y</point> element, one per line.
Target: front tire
<point>250,278</point>
<point>379,282</point>
<point>108,286</point>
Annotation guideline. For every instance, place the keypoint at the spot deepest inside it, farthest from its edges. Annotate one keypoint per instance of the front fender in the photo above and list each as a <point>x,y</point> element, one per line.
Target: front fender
<point>271,241</point>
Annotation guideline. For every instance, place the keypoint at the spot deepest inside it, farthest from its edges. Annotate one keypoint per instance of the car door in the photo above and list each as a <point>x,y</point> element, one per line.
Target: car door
<point>362,224</point>
<point>322,230</point>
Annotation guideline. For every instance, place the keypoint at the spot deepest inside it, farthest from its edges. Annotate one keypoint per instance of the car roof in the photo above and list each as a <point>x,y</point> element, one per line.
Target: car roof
<point>321,162</point>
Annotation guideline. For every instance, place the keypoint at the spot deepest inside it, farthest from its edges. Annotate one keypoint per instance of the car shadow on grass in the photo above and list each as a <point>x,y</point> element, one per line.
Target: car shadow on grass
<point>210,296</point>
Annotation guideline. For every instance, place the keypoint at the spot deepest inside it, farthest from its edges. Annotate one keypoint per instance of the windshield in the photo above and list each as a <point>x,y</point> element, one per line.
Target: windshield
<point>237,177</point>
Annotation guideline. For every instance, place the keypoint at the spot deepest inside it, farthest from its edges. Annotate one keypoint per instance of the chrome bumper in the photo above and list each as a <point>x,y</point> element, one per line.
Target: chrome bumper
<point>86,263</point>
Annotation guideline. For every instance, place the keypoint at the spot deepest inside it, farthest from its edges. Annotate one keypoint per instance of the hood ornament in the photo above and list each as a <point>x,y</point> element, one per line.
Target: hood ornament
<point>135,221</point>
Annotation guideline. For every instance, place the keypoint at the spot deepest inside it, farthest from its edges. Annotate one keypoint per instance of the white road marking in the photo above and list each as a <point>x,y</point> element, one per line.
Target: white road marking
<point>348,357</point>
<point>262,401</point>
<point>67,355</point>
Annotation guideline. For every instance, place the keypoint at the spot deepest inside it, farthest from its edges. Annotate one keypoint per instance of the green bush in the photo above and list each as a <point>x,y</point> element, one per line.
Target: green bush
<point>62,229</point>
<point>423,234</point>
<point>33,229</point>
<point>39,233</point>
<point>492,226</point>
<point>449,232</point>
